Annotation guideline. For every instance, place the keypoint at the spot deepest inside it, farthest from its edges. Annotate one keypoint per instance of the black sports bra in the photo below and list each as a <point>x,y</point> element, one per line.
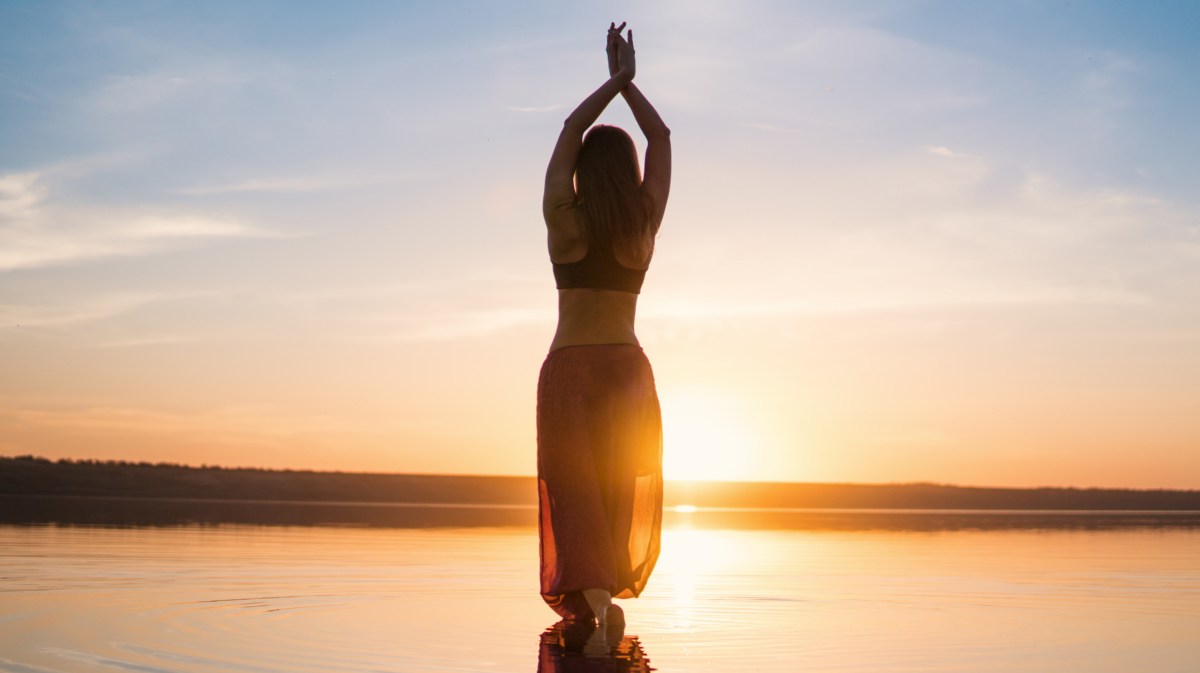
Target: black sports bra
<point>598,270</point>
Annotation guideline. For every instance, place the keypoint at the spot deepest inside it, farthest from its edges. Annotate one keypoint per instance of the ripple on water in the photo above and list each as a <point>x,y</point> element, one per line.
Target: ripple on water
<point>350,600</point>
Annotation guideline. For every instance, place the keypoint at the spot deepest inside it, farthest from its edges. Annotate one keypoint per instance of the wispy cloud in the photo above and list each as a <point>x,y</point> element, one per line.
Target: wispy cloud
<point>20,195</point>
<point>535,108</point>
<point>312,183</point>
<point>454,325</point>
<point>135,92</point>
<point>946,152</point>
<point>916,299</point>
<point>944,101</point>
<point>771,128</point>
<point>149,340</point>
<point>97,308</point>
<point>239,422</point>
<point>937,230</point>
<point>35,232</point>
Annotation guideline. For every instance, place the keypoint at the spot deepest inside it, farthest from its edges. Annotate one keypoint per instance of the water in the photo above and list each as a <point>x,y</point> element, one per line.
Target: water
<point>272,598</point>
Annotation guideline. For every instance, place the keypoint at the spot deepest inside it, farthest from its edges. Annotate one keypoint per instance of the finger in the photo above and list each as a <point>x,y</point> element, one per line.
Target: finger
<point>631,38</point>
<point>621,27</point>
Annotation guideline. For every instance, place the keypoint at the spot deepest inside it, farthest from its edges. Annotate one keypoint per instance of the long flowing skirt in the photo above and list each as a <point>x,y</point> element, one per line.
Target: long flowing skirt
<point>599,434</point>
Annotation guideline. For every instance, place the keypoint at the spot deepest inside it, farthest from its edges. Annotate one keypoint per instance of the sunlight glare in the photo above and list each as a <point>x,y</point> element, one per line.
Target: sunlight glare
<point>690,559</point>
<point>705,438</point>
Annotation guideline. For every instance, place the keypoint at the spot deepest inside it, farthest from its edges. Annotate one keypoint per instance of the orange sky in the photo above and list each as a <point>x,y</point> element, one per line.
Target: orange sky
<point>889,254</point>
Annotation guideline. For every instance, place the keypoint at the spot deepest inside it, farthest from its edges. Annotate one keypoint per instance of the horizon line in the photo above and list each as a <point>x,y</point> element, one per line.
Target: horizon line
<point>205,466</point>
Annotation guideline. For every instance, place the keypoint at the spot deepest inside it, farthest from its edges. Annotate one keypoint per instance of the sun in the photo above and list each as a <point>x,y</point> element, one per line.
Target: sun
<point>706,437</point>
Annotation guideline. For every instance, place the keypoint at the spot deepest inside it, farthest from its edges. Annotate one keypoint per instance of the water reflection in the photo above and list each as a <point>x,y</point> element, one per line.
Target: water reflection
<point>576,647</point>
<point>201,599</point>
<point>146,512</point>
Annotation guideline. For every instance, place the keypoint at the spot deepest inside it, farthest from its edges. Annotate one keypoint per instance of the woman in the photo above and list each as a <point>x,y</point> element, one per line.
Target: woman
<point>598,421</point>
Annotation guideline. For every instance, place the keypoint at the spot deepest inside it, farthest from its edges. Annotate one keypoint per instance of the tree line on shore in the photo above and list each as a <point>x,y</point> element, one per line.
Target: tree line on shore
<point>31,476</point>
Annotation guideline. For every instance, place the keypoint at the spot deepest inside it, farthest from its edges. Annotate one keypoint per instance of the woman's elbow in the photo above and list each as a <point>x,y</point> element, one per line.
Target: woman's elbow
<point>573,124</point>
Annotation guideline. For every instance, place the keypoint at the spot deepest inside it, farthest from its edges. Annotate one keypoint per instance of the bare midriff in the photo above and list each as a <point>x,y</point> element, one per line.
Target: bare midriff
<point>588,317</point>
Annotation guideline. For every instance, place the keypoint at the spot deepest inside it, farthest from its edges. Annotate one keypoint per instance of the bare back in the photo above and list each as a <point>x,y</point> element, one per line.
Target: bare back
<point>585,315</point>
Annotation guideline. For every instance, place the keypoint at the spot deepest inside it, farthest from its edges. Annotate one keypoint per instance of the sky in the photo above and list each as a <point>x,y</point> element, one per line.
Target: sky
<point>907,241</point>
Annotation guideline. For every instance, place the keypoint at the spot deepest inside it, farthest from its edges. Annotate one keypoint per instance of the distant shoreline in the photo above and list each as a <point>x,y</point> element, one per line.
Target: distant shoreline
<point>32,476</point>
<point>132,512</point>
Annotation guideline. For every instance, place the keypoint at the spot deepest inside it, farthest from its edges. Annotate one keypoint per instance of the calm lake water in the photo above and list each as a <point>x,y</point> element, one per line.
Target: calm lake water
<point>300,598</point>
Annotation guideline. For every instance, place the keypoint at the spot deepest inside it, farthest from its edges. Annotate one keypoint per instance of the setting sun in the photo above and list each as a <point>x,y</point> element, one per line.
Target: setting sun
<point>706,437</point>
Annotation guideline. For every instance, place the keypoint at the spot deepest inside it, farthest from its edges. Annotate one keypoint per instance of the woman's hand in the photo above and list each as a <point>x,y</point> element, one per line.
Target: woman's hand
<point>621,60</point>
<point>611,47</point>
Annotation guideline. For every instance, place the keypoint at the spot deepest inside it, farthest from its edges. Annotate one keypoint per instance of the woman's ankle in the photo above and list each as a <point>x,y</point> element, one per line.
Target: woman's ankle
<point>599,601</point>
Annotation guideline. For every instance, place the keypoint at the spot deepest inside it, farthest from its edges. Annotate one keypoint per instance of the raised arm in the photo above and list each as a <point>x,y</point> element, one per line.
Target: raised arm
<point>560,174</point>
<point>656,177</point>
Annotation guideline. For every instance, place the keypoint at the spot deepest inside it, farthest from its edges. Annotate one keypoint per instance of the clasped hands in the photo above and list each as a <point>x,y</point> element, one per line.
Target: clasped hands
<point>621,61</point>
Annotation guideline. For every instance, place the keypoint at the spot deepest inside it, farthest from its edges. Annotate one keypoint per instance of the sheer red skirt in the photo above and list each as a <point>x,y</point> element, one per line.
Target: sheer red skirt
<point>599,435</point>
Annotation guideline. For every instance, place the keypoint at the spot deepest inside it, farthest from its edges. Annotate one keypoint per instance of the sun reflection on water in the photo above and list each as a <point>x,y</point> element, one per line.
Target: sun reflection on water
<point>312,599</point>
<point>692,558</point>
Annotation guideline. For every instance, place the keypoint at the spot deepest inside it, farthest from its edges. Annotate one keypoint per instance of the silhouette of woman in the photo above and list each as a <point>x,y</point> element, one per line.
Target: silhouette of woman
<point>599,428</point>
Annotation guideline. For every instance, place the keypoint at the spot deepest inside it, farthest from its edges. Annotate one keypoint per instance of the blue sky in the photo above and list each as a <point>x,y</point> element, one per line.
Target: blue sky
<point>309,235</point>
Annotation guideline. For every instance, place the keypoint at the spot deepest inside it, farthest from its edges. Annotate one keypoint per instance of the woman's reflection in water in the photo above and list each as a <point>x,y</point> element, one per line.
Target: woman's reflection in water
<point>578,646</point>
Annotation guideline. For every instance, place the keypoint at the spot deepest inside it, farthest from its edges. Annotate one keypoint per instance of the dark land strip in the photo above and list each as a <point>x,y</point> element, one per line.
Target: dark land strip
<point>37,491</point>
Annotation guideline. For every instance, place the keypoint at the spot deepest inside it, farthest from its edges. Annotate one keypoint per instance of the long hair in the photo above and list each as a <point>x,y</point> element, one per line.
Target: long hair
<point>608,188</point>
